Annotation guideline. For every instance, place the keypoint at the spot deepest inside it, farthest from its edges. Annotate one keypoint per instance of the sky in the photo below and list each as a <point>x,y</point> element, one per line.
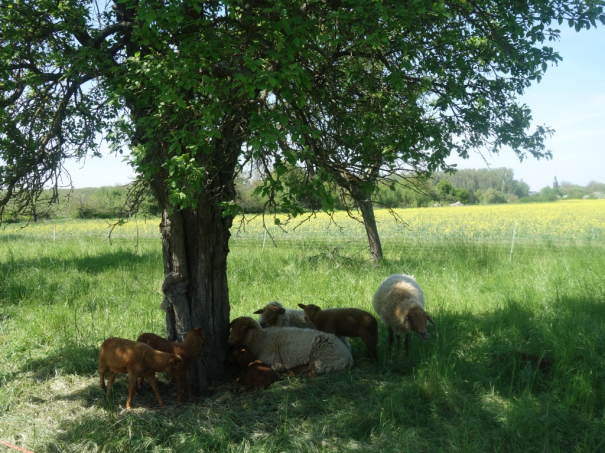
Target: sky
<point>570,99</point>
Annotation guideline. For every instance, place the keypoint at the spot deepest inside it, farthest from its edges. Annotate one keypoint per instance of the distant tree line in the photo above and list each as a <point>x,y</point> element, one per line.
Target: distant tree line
<point>468,186</point>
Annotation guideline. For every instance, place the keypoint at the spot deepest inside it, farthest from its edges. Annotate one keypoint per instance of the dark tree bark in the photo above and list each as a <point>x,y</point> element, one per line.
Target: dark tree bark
<point>364,201</point>
<point>355,188</point>
<point>195,248</point>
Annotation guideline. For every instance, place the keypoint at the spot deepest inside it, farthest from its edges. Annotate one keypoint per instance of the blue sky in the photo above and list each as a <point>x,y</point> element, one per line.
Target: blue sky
<point>570,99</point>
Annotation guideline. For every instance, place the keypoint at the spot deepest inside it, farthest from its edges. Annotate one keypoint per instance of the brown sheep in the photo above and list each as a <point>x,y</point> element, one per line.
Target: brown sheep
<point>346,322</point>
<point>254,373</point>
<point>188,350</point>
<point>119,355</point>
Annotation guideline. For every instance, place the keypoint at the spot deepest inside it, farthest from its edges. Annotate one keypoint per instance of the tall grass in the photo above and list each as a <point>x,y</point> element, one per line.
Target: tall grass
<point>465,389</point>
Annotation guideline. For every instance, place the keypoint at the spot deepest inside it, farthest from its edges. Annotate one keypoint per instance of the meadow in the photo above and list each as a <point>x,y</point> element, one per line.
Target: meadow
<point>464,389</point>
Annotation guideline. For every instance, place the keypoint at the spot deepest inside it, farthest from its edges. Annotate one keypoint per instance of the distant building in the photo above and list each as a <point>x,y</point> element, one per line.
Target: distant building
<point>555,184</point>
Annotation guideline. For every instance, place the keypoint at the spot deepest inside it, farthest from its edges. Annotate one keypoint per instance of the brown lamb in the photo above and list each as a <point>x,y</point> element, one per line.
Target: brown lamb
<point>188,350</point>
<point>119,355</point>
<point>254,373</point>
<point>346,322</point>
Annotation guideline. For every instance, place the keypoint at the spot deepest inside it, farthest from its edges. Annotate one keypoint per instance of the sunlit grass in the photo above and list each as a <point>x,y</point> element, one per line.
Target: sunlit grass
<point>463,390</point>
<point>567,221</point>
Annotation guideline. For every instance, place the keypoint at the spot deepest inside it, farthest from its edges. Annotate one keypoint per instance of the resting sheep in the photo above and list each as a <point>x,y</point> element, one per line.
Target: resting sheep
<point>275,315</point>
<point>188,350</point>
<point>348,322</point>
<point>287,348</point>
<point>119,355</point>
<point>399,302</point>
<point>254,373</point>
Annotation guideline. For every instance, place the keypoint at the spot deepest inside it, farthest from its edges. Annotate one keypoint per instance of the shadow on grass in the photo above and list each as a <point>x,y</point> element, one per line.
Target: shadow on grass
<point>74,359</point>
<point>464,389</point>
<point>48,279</point>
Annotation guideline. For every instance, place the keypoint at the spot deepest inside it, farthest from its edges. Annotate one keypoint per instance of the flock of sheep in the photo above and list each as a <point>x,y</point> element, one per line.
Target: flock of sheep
<point>308,341</point>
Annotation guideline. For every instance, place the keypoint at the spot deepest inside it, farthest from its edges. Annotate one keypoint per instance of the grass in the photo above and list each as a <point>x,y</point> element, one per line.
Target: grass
<point>462,390</point>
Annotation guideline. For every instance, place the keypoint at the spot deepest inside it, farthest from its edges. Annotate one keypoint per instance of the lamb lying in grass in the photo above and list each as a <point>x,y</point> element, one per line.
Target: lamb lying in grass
<point>188,350</point>
<point>347,322</point>
<point>399,301</point>
<point>119,355</point>
<point>254,373</point>
<point>288,348</point>
<point>275,315</point>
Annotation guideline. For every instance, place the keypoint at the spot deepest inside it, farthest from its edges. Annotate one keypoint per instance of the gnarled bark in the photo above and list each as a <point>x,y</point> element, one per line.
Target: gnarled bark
<point>195,248</point>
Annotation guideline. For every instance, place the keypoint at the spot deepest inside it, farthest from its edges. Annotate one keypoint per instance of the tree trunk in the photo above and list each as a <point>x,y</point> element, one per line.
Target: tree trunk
<point>195,248</point>
<point>364,201</point>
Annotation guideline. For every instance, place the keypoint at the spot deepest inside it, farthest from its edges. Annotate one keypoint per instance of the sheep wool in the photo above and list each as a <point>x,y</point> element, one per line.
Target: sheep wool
<point>284,348</point>
<point>395,296</point>
<point>274,314</point>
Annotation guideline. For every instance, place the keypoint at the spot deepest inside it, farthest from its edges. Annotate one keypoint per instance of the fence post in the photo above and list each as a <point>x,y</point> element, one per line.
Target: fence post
<point>513,243</point>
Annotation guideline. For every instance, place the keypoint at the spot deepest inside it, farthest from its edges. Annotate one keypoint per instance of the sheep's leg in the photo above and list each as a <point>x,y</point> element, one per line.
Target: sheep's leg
<point>154,386</point>
<point>132,388</point>
<point>140,382</point>
<point>188,384</point>
<point>179,394</point>
<point>390,337</point>
<point>371,345</point>
<point>112,377</point>
<point>102,376</point>
<point>406,342</point>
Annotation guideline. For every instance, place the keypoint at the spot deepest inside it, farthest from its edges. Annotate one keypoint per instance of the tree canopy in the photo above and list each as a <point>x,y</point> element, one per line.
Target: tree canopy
<point>199,90</point>
<point>369,85</point>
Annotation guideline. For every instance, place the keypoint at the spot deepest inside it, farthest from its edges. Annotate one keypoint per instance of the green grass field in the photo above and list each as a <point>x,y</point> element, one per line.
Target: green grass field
<point>465,389</point>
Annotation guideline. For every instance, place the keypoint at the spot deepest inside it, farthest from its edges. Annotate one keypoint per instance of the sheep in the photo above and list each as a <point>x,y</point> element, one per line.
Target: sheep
<point>119,355</point>
<point>275,315</point>
<point>399,302</point>
<point>188,350</point>
<point>287,348</point>
<point>254,373</point>
<point>348,322</point>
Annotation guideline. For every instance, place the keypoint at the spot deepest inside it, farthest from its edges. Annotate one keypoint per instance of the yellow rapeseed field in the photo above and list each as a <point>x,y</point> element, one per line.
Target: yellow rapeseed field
<point>573,220</point>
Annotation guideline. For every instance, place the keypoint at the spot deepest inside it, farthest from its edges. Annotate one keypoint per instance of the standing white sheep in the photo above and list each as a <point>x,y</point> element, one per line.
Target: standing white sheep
<point>286,348</point>
<point>399,301</point>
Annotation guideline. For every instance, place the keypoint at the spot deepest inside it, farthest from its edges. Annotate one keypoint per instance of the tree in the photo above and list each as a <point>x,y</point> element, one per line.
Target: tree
<point>200,89</point>
<point>492,196</point>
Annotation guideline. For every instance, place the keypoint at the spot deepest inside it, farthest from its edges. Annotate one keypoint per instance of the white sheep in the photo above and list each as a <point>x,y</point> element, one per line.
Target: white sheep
<point>399,301</point>
<point>286,348</point>
<point>275,315</point>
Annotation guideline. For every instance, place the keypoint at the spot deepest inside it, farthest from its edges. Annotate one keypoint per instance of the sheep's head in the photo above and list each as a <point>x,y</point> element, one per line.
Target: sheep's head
<point>241,355</point>
<point>418,318</point>
<point>311,311</point>
<point>270,314</point>
<point>175,364</point>
<point>198,332</point>
<point>240,328</point>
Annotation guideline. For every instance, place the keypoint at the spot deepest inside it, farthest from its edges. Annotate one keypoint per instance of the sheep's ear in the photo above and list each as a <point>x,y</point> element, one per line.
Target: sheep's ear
<point>407,317</point>
<point>259,312</point>
<point>430,320</point>
<point>281,311</point>
<point>302,306</point>
<point>231,323</point>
